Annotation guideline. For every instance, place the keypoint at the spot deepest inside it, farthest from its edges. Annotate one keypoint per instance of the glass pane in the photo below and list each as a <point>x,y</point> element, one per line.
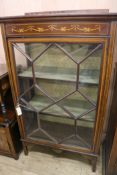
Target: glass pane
<point>35,49</point>
<point>89,74</point>
<point>78,51</point>
<point>76,104</point>
<point>58,85</point>
<point>54,67</point>
<point>30,121</point>
<point>56,126</point>
<point>61,130</point>
<point>23,68</point>
<point>34,99</point>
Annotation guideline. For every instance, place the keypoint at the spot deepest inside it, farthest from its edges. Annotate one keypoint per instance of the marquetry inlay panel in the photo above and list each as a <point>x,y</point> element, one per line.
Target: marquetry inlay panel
<point>58,29</point>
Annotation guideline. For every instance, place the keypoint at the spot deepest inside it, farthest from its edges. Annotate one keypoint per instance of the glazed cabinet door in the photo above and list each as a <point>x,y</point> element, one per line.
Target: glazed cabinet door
<point>58,86</point>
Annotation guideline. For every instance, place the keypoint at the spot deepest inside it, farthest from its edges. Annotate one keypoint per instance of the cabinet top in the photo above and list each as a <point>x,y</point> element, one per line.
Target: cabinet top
<point>60,16</point>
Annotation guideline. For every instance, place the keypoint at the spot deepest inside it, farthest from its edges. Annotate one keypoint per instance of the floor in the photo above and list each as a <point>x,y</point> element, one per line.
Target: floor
<point>43,161</point>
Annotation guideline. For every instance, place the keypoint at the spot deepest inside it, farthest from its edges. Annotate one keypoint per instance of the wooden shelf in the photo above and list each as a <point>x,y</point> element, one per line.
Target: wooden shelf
<point>39,102</point>
<point>92,80</point>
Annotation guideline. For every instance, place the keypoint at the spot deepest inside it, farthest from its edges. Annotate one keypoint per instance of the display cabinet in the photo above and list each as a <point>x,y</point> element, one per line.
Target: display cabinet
<point>60,66</point>
<point>10,144</point>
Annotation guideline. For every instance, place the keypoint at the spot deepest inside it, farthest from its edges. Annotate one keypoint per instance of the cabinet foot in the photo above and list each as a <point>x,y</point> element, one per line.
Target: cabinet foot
<point>25,147</point>
<point>94,163</point>
<point>16,157</point>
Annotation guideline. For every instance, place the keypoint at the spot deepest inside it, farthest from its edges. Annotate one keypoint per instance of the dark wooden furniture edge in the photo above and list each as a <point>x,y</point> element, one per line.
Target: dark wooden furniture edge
<point>10,144</point>
<point>109,146</point>
<point>65,148</point>
<point>59,17</point>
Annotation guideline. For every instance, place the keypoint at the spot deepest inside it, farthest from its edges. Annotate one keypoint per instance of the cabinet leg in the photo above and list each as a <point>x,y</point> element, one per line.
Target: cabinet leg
<point>16,157</point>
<point>94,163</point>
<point>25,147</point>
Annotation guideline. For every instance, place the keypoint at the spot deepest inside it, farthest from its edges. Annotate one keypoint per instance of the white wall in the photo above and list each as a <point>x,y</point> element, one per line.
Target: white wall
<point>19,7</point>
<point>2,54</point>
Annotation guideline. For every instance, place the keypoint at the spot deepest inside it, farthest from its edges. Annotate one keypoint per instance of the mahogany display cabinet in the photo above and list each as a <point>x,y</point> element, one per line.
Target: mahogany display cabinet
<point>60,68</point>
